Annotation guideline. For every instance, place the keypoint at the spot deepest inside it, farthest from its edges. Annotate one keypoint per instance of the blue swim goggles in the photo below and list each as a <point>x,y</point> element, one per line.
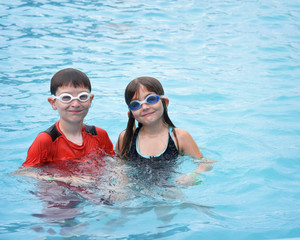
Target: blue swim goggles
<point>150,99</point>
<point>67,97</point>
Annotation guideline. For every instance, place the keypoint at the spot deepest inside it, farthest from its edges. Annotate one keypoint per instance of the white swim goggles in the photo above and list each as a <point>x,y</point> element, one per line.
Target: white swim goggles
<point>150,99</point>
<point>67,97</point>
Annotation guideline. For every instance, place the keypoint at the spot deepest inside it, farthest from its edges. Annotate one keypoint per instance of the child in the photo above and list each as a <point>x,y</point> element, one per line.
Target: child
<point>156,138</point>
<point>69,139</point>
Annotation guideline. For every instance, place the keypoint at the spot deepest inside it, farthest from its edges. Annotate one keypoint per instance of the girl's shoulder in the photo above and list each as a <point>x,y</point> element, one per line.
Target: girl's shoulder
<point>122,134</point>
<point>120,141</point>
<point>187,144</point>
<point>184,138</point>
<point>181,133</point>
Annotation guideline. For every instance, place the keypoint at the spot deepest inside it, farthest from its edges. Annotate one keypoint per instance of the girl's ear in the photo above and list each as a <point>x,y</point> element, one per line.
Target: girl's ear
<point>166,101</point>
<point>52,102</point>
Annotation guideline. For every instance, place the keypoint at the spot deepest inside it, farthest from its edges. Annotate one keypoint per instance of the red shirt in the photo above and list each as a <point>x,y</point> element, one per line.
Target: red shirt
<point>52,146</point>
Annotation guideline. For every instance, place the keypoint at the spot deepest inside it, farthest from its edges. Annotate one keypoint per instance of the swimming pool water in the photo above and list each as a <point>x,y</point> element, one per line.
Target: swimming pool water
<point>231,70</point>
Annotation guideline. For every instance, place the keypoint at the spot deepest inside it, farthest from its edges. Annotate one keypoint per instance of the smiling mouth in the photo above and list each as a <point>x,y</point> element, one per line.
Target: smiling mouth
<point>147,114</point>
<point>75,111</point>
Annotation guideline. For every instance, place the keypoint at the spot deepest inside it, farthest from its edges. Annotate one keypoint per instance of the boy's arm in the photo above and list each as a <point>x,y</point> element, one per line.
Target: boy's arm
<point>37,174</point>
<point>39,150</point>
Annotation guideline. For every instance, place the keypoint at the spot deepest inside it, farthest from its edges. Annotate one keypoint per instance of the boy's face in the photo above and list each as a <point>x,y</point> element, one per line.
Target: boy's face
<point>74,111</point>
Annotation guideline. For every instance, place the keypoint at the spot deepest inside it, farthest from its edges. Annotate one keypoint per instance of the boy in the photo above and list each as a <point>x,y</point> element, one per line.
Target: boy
<point>69,139</point>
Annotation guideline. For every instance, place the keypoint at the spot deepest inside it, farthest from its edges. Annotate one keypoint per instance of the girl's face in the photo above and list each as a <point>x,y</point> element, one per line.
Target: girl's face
<point>148,114</point>
<point>74,111</point>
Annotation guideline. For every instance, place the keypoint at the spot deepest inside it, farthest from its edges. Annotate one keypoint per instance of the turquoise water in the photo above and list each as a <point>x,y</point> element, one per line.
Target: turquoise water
<point>231,70</point>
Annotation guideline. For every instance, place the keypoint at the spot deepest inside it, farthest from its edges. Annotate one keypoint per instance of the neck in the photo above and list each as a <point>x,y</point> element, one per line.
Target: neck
<point>154,129</point>
<point>70,129</point>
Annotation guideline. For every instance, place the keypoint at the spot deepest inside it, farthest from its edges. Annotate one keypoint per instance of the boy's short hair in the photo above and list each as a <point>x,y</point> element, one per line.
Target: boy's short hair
<point>69,76</point>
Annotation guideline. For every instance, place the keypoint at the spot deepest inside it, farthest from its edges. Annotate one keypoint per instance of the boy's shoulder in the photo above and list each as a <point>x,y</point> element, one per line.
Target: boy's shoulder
<point>90,129</point>
<point>53,132</point>
<point>94,130</point>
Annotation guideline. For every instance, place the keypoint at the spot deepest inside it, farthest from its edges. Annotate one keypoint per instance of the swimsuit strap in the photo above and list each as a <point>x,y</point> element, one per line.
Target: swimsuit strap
<point>175,139</point>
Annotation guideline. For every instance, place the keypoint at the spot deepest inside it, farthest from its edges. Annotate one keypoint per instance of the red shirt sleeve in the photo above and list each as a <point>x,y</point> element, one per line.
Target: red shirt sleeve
<point>39,150</point>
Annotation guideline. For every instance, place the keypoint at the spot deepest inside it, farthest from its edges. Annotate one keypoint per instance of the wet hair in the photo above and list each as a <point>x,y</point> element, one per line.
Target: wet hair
<point>152,85</point>
<point>69,76</point>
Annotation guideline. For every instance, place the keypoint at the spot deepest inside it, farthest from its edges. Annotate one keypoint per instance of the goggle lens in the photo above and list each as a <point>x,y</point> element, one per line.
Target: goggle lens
<point>67,98</point>
<point>150,99</point>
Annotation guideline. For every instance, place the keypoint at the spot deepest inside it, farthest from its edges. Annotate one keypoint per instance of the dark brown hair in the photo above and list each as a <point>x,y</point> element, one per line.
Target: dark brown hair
<point>69,76</point>
<point>152,85</point>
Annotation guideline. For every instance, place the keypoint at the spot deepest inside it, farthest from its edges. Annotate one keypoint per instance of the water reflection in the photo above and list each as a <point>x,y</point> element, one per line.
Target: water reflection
<point>129,189</point>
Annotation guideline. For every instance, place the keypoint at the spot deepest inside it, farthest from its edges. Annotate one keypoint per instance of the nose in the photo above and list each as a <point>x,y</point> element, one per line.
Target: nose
<point>144,106</point>
<point>75,103</point>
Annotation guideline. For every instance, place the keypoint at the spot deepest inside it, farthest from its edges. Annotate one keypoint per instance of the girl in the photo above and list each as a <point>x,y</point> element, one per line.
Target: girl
<point>156,138</point>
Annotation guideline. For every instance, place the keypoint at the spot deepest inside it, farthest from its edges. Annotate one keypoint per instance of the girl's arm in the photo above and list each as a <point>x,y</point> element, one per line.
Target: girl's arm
<point>186,143</point>
<point>188,146</point>
<point>119,143</point>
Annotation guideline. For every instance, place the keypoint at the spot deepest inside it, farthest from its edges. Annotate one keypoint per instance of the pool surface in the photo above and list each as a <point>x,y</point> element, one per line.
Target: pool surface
<point>231,70</point>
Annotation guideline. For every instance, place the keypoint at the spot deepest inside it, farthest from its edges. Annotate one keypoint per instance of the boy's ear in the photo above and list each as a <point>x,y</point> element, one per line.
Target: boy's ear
<point>91,99</point>
<point>52,102</point>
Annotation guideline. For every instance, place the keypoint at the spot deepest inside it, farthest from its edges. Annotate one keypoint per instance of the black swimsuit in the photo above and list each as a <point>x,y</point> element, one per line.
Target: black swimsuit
<point>170,153</point>
<point>154,170</point>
